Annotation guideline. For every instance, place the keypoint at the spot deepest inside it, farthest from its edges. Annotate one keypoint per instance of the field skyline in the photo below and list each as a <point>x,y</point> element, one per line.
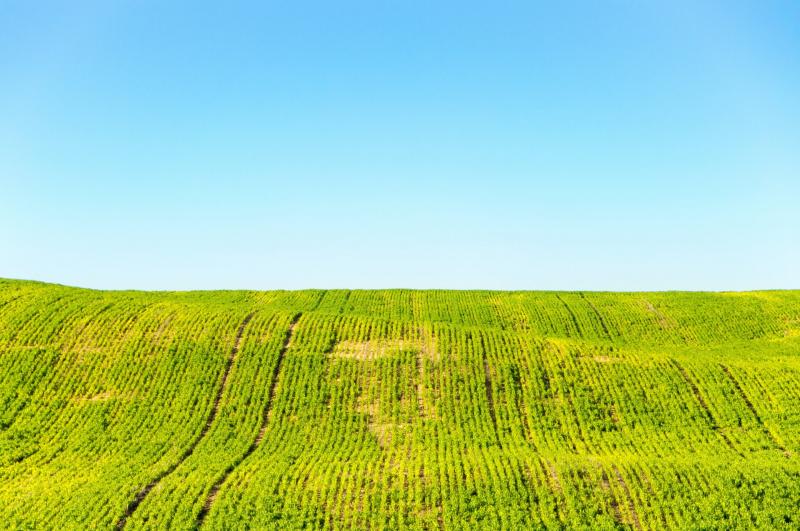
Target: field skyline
<point>323,289</point>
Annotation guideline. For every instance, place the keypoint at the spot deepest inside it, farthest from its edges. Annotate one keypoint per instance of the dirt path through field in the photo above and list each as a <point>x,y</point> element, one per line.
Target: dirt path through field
<point>142,494</point>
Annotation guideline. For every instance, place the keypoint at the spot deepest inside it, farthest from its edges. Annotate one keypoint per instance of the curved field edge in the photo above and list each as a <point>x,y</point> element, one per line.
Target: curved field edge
<point>398,408</point>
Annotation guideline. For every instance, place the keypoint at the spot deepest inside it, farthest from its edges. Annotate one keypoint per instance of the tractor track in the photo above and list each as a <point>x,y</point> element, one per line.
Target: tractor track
<point>142,494</point>
<point>752,409</point>
<point>704,406</point>
<point>212,494</point>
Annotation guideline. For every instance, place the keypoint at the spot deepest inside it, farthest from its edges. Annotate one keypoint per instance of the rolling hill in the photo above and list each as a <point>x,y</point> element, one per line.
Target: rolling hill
<point>398,409</point>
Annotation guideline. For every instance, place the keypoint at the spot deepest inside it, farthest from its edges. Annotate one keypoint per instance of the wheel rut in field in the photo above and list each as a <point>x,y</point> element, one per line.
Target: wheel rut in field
<point>142,494</point>
<point>605,483</point>
<point>212,494</point>
<point>9,301</point>
<point>487,374</point>
<point>752,409</point>
<point>553,482</point>
<point>572,317</point>
<point>522,408</point>
<point>420,367</point>
<point>631,506</point>
<point>597,314</point>
<point>704,405</point>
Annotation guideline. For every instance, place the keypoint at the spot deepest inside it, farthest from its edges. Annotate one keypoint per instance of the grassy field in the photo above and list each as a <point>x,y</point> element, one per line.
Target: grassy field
<point>398,409</point>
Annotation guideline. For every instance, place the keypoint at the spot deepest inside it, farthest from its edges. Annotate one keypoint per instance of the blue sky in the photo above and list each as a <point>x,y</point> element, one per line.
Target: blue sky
<point>557,145</point>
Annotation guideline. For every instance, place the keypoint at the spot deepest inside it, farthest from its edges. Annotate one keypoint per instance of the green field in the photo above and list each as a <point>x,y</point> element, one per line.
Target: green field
<point>398,409</point>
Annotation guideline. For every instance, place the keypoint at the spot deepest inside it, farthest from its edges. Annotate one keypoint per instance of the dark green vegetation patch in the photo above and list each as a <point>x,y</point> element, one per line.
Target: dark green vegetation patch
<point>398,409</point>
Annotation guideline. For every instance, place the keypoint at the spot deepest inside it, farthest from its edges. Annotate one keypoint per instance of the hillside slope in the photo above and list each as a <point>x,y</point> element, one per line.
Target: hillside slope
<point>398,409</point>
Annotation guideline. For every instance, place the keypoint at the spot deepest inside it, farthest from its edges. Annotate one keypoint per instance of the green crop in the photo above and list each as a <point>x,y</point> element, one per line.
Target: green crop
<point>398,409</point>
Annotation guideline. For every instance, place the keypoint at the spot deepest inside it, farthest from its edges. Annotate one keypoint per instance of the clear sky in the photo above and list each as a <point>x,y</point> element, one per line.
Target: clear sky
<point>621,145</point>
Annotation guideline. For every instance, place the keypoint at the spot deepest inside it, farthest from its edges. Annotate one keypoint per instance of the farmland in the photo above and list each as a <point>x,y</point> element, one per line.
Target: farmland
<point>398,409</point>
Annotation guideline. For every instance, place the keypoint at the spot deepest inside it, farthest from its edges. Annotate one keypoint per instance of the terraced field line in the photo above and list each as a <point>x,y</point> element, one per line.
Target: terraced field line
<point>142,494</point>
<point>702,401</point>
<point>212,494</point>
<point>752,409</point>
